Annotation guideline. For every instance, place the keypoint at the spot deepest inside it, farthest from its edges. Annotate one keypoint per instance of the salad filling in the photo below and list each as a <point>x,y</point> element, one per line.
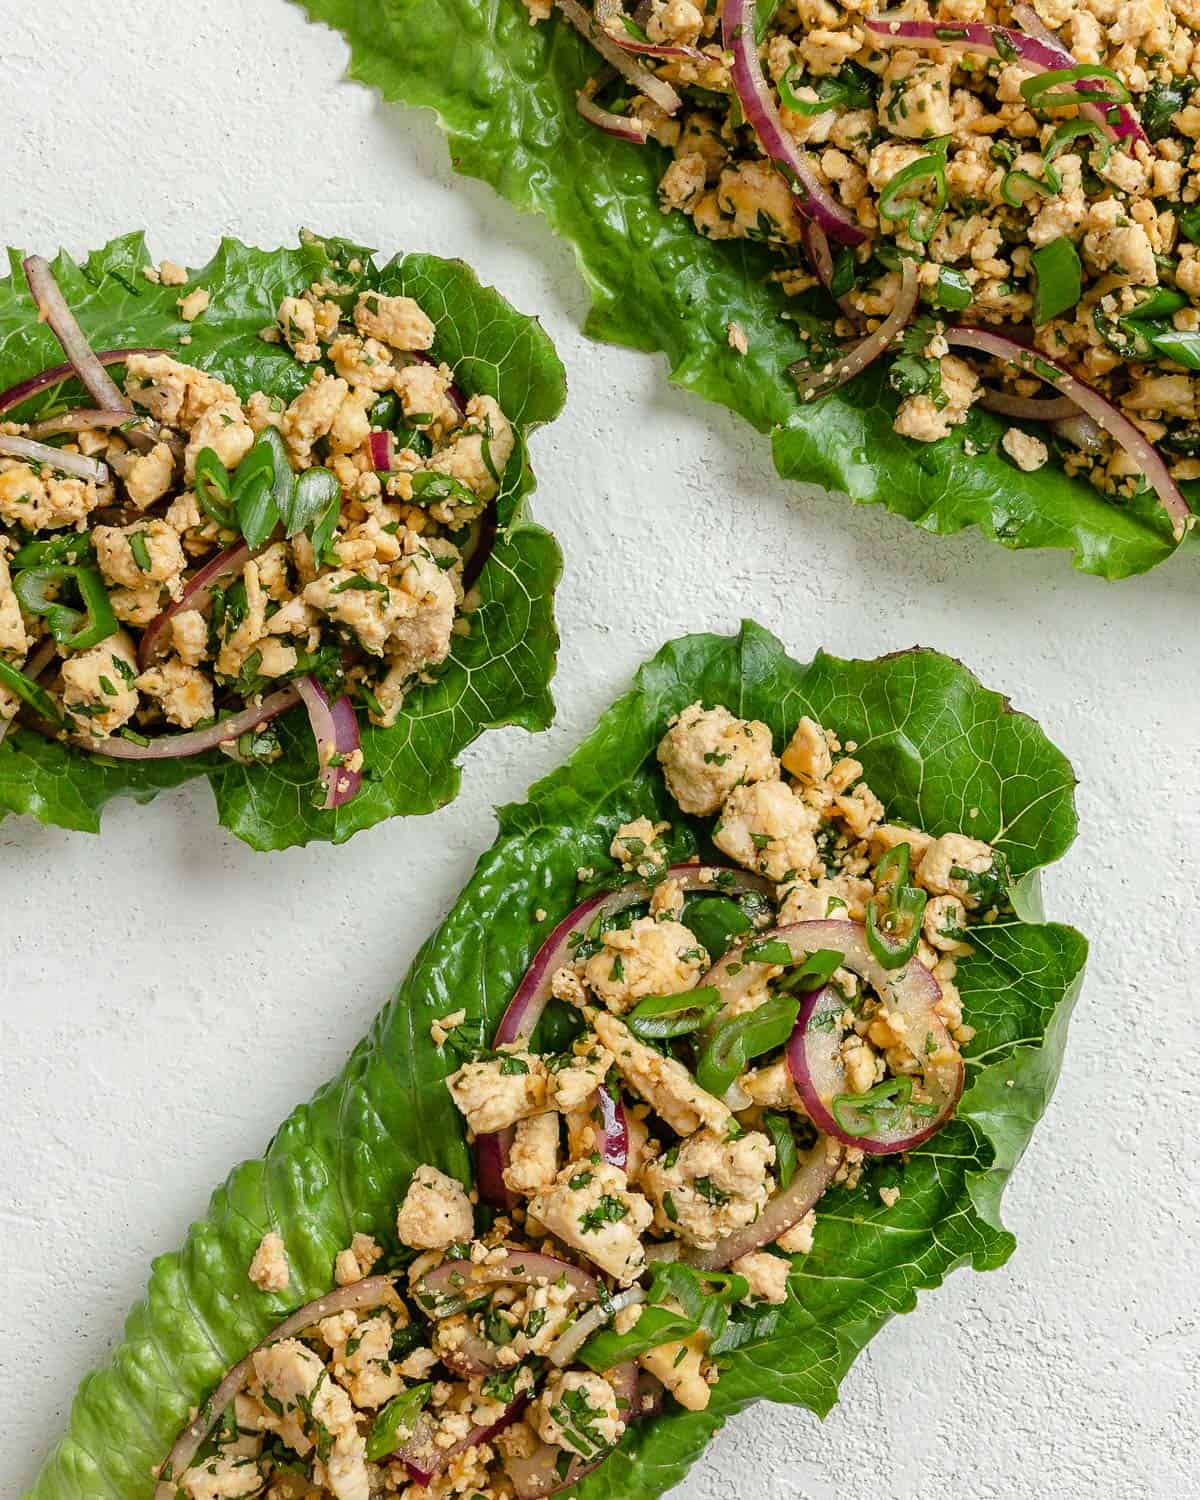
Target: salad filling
<point>697,1053</point>
<point>179,566</point>
<point>1002,200</point>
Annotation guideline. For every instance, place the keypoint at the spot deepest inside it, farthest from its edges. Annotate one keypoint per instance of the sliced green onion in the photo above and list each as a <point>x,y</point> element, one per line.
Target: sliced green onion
<point>771,951</point>
<point>660,1016</point>
<point>1069,132</point>
<point>310,498</point>
<point>1029,185</point>
<point>716,921</point>
<point>29,692</point>
<point>395,1423</point>
<point>1046,92</point>
<point>898,200</point>
<point>1058,273</point>
<point>140,551</point>
<point>1189,223</point>
<point>657,1325</point>
<point>212,486</point>
<point>779,1130</point>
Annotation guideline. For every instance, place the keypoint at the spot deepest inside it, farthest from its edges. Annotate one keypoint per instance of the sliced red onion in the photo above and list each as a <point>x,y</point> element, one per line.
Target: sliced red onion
<point>52,308</point>
<point>814,1060</point>
<point>1042,52</point>
<point>176,746</point>
<point>491,1153</point>
<point>423,1459</point>
<point>814,1172</point>
<point>23,389</point>
<point>651,1394</point>
<point>381,445</point>
<point>335,729</point>
<point>641,78</point>
<point>532,995</point>
<point>374,1291</point>
<point>813,382</point>
<point>623,127</point>
<point>816,245</point>
<point>449,1287</point>
<point>810,197</point>
<point>613,1133</point>
<point>569,1343</point>
<point>39,659</point>
<point>537,1476</point>
<point>197,594</point>
<point>660,50</point>
<point>76,464</point>
<point>1026,408</point>
<point>1082,431</point>
<point>1118,426</point>
<point>89,418</point>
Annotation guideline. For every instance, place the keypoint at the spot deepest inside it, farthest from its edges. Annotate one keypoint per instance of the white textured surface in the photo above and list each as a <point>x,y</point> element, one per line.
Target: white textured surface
<point>166,995</point>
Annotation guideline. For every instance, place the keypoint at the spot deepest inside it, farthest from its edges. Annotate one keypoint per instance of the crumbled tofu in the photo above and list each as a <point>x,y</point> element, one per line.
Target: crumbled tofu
<point>496,1093</point>
<point>269,1268</point>
<point>195,303</point>
<point>706,753</point>
<point>435,1213</point>
<point>766,1273</point>
<point>592,1208</point>
<point>1026,451</point>
<point>651,957</point>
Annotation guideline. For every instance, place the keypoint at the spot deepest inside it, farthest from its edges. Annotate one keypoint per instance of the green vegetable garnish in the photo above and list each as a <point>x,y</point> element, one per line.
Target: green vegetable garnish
<point>733,1043</point>
<point>880,1108</point>
<point>73,629</point>
<point>894,913</point>
<point>1059,279</point>
<point>901,198</point>
<point>660,1016</point>
<point>29,692</point>
<point>779,1129</point>
<point>395,1423</point>
<point>1047,90</point>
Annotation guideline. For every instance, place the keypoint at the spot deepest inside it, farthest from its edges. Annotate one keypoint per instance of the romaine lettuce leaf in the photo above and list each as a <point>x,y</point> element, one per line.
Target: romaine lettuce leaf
<point>498,674</point>
<point>504,92</point>
<point>945,753</point>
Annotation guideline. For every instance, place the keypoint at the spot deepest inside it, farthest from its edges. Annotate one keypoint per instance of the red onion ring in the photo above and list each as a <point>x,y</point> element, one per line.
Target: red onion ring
<point>491,1154</point>
<point>1028,409</point>
<point>623,127</point>
<point>176,746</point>
<point>568,1344</point>
<point>448,1288</point>
<point>814,1172</point>
<point>641,78</point>
<point>659,49</point>
<point>197,594</point>
<point>810,197</point>
<point>816,247</point>
<point>52,309</point>
<point>857,357</point>
<point>537,1476</point>
<point>381,445</point>
<point>75,464</point>
<point>335,729</point>
<point>1118,426</point>
<point>1041,52</point>
<point>423,1460</point>
<point>532,995</point>
<point>372,1292</point>
<point>613,1134</point>
<point>23,389</point>
<point>86,419</point>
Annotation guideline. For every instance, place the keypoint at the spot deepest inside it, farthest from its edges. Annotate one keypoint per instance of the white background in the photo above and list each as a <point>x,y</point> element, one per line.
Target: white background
<point>167,995</point>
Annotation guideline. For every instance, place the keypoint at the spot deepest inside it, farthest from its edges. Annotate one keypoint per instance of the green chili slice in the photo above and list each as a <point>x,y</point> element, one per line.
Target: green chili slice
<point>660,1016</point>
<point>75,629</point>
<point>880,1108</point>
<point>894,913</point>
<point>1047,90</point>
<point>1069,132</point>
<point>900,200</point>
<point>734,1042</point>
<point>212,486</point>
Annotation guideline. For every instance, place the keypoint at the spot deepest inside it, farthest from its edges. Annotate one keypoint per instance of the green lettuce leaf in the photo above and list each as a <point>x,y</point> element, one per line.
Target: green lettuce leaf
<point>498,674</point>
<point>945,753</point>
<point>504,92</point>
